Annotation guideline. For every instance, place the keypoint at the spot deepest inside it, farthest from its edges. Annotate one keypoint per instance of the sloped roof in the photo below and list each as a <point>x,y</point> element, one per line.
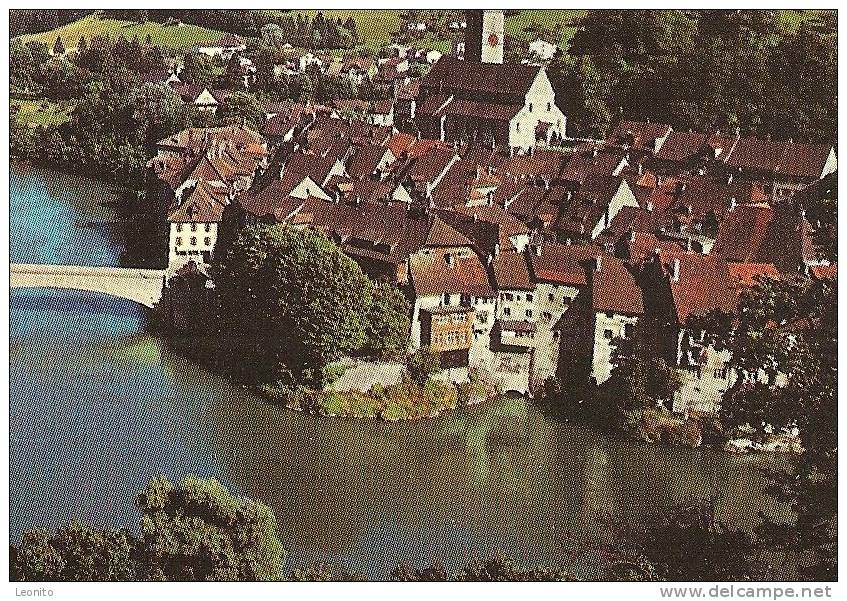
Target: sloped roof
<point>450,74</point>
<point>433,273</point>
<point>511,272</point>
<point>614,288</point>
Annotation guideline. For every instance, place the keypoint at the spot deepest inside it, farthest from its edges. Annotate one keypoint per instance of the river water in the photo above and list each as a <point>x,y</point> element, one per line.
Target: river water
<point>99,405</point>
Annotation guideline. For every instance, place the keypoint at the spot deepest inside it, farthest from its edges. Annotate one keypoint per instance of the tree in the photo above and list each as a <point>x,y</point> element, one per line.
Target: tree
<point>323,572</point>
<point>501,568</point>
<point>232,77</point>
<point>76,553</point>
<point>199,69</point>
<point>388,323</point>
<point>159,112</point>
<point>195,530</point>
<point>58,46</point>
<point>199,531</point>
<point>423,364</point>
<point>242,108</point>
<point>299,301</point>
<point>785,351</point>
<point>684,543</point>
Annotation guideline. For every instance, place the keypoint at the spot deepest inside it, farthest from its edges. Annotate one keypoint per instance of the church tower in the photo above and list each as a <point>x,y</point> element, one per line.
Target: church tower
<point>484,32</point>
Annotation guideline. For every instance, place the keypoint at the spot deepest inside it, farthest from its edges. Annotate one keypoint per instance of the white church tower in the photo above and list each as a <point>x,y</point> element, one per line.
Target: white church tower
<point>484,34</point>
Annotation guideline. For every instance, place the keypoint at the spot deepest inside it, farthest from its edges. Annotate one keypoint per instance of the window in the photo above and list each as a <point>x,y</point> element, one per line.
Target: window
<point>517,125</point>
<point>510,296</point>
<point>566,301</point>
<point>446,298</point>
<point>551,297</point>
<point>207,241</point>
<point>466,299</point>
<point>178,227</point>
<point>530,107</point>
<point>193,227</point>
<point>529,298</point>
<point>546,315</point>
<point>607,334</point>
<point>193,240</point>
<point>507,311</point>
<point>179,240</point>
<point>548,107</point>
<point>529,312</point>
<point>208,227</point>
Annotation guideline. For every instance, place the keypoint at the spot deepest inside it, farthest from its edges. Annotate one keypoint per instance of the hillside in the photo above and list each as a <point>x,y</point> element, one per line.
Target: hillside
<point>167,36</point>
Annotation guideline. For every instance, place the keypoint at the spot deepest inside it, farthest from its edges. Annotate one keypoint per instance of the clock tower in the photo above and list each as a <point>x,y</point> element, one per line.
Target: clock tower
<point>484,36</point>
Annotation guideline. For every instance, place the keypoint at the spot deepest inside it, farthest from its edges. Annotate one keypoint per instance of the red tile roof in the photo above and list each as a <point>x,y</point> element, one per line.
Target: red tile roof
<point>614,289</point>
<point>434,273</point>
<point>638,135</point>
<point>704,284</point>
<point>511,272</point>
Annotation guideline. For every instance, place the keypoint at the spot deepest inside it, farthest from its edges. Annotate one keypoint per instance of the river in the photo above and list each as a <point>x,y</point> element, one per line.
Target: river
<point>99,405</point>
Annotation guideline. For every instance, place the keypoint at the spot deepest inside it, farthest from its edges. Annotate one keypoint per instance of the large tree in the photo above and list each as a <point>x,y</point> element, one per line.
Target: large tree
<point>297,300</point>
<point>199,531</point>
<point>195,530</point>
<point>74,553</point>
<point>785,349</point>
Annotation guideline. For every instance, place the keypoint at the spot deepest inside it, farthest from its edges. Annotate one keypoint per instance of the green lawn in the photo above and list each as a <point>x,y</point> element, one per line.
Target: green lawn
<point>375,26</point>
<point>561,20</point>
<point>41,112</point>
<point>171,36</point>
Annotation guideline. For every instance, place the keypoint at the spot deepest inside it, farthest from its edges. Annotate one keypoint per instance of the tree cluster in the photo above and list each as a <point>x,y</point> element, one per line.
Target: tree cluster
<point>725,69</point>
<point>298,303</point>
<point>195,530</point>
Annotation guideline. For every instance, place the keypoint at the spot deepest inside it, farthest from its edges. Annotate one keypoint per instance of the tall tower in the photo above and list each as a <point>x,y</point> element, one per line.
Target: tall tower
<point>484,36</point>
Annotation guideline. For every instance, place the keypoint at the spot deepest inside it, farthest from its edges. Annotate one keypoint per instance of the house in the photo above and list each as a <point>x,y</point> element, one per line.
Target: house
<point>358,69</point>
<point>381,112</point>
<point>541,51</point>
<point>225,47</point>
<point>588,212</point>
<point>698,286</point>
<point>200,172</point>
<point>617,302</point>
<point>516,322</point>
<point>454,304</point>
<point>564,327</point>
<point>639,137</point>
<point>201,97</point>
<point>307,59</point>
<point>787,165</point>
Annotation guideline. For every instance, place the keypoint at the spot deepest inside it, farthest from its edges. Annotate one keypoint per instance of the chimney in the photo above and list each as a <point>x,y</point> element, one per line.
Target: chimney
<point>675,270</point>
<point>649,206</point>
<point>598,263</point>
<point>451,260</point>
<point>728,179</point>
<point>732,204</point>
<point>632,236</point>
<point>496,249</point>
<point>640,168</point>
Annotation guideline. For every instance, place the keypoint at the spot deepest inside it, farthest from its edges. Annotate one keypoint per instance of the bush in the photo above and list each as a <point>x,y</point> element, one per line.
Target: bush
<point>423,364</point>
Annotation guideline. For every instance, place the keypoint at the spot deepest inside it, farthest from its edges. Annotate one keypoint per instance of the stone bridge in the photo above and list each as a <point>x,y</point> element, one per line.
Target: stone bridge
<point>143,286</point>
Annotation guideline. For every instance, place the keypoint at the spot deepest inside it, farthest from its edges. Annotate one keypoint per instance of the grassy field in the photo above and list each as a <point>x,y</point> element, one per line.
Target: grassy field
<point>562,20</point>
<point>171,36</point>
<point>375,26</point>
<point>40,112</point>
